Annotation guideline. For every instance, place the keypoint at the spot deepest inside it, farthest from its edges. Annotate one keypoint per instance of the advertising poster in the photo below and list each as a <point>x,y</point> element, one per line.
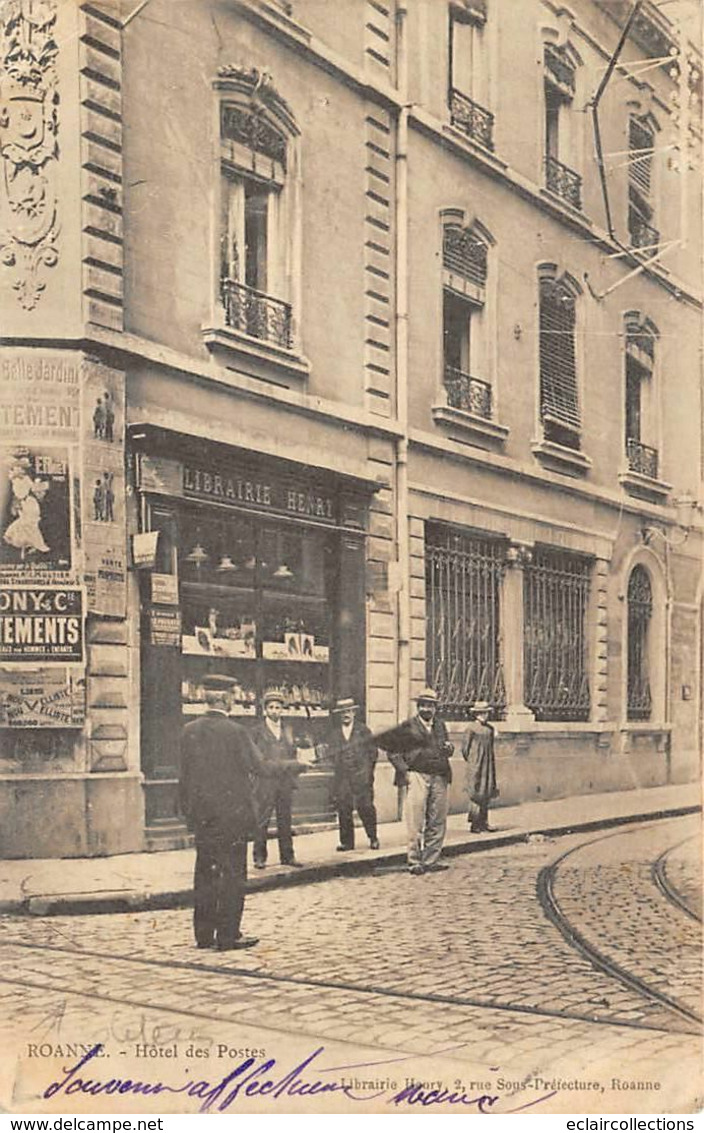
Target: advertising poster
<point>42,698</point>
<point>39,434</point>
<point>35,511</point>
<point>41,625</point>
<point>104,537</point>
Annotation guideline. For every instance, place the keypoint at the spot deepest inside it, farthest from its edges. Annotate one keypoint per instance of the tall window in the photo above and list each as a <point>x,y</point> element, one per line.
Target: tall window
<point>640,359</point>
<point>464,331</point>
<point>641,147</point>
<point>559,399</point>
<point>468,93</point>
<point>463,582</point>
<point>559,86</point>
<point>640,612</point>
<point>556,654</point>
<point>255,140</point>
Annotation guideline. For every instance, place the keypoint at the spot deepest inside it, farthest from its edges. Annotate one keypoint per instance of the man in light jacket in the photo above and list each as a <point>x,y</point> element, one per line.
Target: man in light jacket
<point>420,751</point>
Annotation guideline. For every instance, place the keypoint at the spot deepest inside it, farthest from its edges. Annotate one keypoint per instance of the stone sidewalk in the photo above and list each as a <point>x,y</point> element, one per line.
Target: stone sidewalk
<point>164,879</point>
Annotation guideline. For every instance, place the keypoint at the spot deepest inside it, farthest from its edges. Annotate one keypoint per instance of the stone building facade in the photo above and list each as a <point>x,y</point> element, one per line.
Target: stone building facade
<point>333,358</point>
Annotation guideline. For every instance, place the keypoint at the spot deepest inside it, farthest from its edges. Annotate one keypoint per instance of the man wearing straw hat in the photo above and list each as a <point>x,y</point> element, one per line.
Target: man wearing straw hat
<point>420,751</point>
<point>219,763</point>
<point>478,751</point>
<point>354,755</point>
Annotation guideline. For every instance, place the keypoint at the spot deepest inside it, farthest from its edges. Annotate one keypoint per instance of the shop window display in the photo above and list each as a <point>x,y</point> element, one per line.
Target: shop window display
<point>255,603</point>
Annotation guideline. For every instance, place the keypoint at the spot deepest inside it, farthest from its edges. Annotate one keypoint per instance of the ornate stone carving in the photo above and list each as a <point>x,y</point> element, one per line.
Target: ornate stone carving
<point>28,143</point>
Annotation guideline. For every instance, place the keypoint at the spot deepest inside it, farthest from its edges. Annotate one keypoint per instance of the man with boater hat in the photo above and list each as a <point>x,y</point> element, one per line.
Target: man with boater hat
<point>420,751</point>
<point>274,742</point>
<point>354,754</point>
<point>219,762</point>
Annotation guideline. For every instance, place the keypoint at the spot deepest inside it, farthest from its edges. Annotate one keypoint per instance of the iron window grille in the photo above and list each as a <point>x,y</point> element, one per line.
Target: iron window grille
<point>463,588</point>
<point>256,314</point>
<point>472,395</point>
<point>464,253</point>
<point>472,119</point>
<point>640,611</point>
<point>556,598</point>
<point>563,181</point>
<point>559,400</point>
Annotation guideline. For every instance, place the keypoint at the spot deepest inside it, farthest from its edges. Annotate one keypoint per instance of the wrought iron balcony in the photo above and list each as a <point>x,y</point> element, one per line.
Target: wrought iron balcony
<point>472,119</point>
<point>467,393</point>
<point>642,459</point>
<point>255,313</point>
<point>563,181</point>
<point>643,235</point>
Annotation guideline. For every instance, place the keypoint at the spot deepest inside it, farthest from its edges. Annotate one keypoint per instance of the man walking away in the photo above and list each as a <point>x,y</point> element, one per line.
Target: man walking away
<point>219,762</point>
<point>420,751</point>
<point>478,750</point>
<point>354,755</point>
<point>274,742</point>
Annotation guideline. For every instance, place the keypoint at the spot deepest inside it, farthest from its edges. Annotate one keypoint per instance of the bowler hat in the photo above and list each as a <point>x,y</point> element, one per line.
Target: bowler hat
<point>217,682</point>
<point>429,695</point>
<point>344,703</point>
<point>481,706</point>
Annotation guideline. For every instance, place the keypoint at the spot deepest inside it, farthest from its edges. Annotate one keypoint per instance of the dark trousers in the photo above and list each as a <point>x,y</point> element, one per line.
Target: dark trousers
<point>478,815</point>
<point>267,804</point>
<point>219,884</point>
<point>349,799</point>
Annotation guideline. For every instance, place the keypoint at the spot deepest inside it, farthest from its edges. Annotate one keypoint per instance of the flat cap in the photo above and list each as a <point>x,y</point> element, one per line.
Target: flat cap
<point>217,682</point>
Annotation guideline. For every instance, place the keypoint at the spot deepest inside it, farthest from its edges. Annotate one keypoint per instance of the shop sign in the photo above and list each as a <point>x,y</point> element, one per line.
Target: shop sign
<point>144,545</point>
<point>165,627</point>
<point>283,495</point>
<point>42,698</point>
<point>164,589</point>
<point>41,624</point>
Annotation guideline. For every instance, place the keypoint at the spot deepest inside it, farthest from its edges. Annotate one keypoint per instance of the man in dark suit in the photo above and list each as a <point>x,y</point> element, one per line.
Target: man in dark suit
<point>420,751</point>
<point>275,743</point>
<point>354,756</point>
<point>219,762</point>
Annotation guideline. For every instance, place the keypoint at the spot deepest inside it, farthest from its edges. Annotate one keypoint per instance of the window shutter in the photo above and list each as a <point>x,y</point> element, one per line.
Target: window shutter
<point>640,138</point>
<point>558,373</point>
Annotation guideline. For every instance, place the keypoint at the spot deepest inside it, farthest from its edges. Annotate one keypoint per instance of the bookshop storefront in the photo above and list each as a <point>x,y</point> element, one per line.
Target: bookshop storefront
<point>255,568</point>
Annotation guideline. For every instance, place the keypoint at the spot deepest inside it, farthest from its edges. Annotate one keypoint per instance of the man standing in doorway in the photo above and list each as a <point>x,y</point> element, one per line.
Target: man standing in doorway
<point>219,762</point>
<point>274,742</point>
<point>420,751</point>
<point>354,755</point>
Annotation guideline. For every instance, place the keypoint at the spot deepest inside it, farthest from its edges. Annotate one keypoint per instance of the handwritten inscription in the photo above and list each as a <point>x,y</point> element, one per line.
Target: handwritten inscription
<point>257,1078</point>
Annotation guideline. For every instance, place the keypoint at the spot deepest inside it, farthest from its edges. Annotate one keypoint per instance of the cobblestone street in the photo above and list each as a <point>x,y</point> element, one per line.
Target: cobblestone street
<point>561,958</point>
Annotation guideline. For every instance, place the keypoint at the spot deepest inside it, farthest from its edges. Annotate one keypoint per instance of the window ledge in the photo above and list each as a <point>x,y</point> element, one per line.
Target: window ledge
<point>245,348</point>
<point>472,426</point>
<point>559,458</point>
<point>643,726</point>
<point>645,487</point>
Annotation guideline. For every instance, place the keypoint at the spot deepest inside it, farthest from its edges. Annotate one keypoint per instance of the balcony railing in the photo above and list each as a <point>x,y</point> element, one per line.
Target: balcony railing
<point>472,119</point>
<point>255,313</point>
<point>642,459</point>
<point>643,235</point>
<point>467,393</point>
<point>563,181</point>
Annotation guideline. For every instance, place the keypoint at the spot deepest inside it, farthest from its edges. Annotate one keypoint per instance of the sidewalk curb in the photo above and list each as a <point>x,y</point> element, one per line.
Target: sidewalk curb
<point>130,901</point>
